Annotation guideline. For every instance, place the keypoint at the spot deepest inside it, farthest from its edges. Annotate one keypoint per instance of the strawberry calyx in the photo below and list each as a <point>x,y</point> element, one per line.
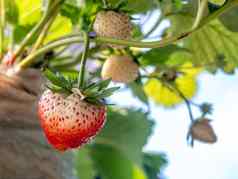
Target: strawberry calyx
<point>121,6</point>
<point>94,93</point>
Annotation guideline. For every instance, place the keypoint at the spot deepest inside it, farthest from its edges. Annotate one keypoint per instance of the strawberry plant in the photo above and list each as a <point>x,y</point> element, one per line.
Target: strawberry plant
<point>89,50</point>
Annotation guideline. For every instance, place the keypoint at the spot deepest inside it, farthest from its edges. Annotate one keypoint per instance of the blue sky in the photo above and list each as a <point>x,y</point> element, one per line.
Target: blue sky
<point>218,161</point>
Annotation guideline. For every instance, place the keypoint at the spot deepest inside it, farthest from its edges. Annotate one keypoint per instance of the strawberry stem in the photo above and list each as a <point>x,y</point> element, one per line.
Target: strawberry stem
<point>52,6</point>
<point>83,60</point>
<point>45,31</point>
<point>105,5</point>
<point>200,14</point>
<point>75,38</point>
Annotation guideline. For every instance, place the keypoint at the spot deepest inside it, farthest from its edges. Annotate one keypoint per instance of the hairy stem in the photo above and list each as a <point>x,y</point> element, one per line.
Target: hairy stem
<point>156,44</point>
<point>44,32</point>
<point>83,60</point>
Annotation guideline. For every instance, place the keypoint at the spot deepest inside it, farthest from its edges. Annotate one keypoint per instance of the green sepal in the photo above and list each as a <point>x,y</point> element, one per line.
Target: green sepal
<point>106,93</point>
<point>59,80</point>
<point>93,92</point>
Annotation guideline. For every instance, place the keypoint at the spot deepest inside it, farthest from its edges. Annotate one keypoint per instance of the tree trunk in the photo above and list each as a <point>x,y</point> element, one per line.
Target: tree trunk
<point>24,152</point>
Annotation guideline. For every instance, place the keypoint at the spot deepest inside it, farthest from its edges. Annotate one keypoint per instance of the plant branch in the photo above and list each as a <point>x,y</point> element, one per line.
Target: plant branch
<point>187,102</point>
<point>47,15</point>
<point>44,32</point>
<point>31,58</point>
<point>203,5</point>
<point>156,44</point>
<point>83,60</point>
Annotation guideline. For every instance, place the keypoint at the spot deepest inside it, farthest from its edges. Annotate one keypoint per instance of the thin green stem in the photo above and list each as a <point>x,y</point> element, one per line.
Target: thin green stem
<point>156,44</point>
<point>47,15</point>
<point>104,3</point>
<point>187,102</point>
<point>203,5</point>
<point>2,26</point>
<point>31,58</point>
<point>44,32</point>
<point>83,60</point>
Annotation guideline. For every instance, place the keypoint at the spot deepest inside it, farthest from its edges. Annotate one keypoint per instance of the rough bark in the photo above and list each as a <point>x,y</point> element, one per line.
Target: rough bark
<point>24,152</point>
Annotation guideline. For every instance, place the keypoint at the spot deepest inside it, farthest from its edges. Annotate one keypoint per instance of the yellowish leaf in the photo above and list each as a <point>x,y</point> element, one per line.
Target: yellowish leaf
<point>29,11</point>
<point>60,27</point>
<point>138,173</point>
<point>186,83</point>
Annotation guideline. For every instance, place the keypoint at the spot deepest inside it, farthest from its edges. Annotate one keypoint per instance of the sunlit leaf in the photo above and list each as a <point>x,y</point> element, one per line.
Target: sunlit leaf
<point>171,54</point>
<point>29,11</point>
<point>209,44</point>
<point>60,27</point>
<point>12,11</point>
<point>186,83</point>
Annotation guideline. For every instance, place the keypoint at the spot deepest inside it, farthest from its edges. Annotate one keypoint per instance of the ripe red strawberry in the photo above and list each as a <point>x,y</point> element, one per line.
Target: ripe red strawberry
<point>68,121</point>
<point>201,130</point>
<point>120,69</point>
<point>113,24</point>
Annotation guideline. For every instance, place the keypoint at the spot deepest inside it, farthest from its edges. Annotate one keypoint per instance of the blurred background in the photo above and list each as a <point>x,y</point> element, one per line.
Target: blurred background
<point>148,119</point>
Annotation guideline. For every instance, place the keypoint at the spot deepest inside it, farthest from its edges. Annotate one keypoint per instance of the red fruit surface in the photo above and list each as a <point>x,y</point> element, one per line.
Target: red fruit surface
<point>68,122</point>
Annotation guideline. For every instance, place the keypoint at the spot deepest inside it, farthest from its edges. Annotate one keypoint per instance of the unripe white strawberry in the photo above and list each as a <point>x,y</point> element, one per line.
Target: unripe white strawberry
<point>120,69</point>
<point>113,24</point>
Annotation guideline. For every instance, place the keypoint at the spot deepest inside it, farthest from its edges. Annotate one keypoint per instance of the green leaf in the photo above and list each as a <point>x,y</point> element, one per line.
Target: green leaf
<point>217,2</point>
<point>56,30</point>
<point>154,163</point>
<point>137,90</point>
<point>138,6</point>
<point>21,31</point>
<point>70,11</point>
<point>12,12</point>
<point>108,92</point>
<point>88,10</point>
<point>171,6</point>
<point>127,131</point>
<point>227,19</point>
<point>158,56</point>
<point>112,164</point>
<point>57,79</point>
<point>84,166</point>
<point>104,84</point>
<point>209,44</point>
<point>29,11</point>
